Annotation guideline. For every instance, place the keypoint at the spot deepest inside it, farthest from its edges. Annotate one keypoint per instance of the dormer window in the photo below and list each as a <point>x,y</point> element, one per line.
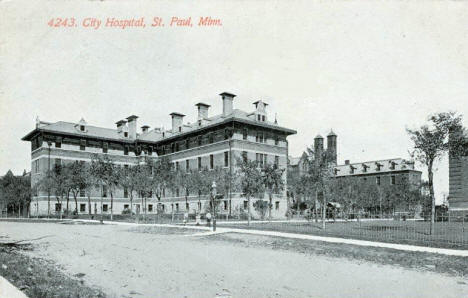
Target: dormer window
<point>392,165</point>
<point>180,128</point>
<point>378,166</point>
<point>364,167</point>
<point>351,169</point>
<point>126,134</point>
<point>82,127</point>
<point>258,117</point>
<point>199,122</point>
<point>263,118</point>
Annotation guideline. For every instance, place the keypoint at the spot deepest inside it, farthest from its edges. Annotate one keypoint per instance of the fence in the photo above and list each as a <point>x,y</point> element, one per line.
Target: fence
<point>450,230</point>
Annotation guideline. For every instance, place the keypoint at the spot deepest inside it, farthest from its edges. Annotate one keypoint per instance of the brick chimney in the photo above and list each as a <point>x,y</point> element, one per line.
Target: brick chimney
<point>202,110</point>
<point>120,125</point>
<point>132,126</point>
<point>177,120</point>
<point>227,103</point>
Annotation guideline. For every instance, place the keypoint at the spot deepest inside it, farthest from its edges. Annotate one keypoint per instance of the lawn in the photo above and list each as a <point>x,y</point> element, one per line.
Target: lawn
<point>447,235</point>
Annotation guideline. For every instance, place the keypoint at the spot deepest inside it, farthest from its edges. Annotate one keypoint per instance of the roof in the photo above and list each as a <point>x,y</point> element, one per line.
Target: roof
<point>375,167</point>
<point>318,137</point>
<point>202,104</point>
<point>156,134</point>
<point>331,134</point>
<point>176,114</point>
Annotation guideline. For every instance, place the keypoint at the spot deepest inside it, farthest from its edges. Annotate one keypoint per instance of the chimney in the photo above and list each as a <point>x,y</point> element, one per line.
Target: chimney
<point>227,103</point>
<point>120,125</point>
<point>346,162</point>
<point>331,145</point>
<point>132,125</point>
<point>318,147</point>
<point>202,110</point>
<point>176,121</point>
<point>145,128</point>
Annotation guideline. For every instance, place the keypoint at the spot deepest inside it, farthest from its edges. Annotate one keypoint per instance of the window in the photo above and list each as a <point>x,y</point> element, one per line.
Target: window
<point>211,161</point>
<point>276,140</point>
<point>199,140</point>
<point>177,147</point>
<point>244,156</point>
<point>245,134</point>
<point>187,165</point>
<point>187,206</point>
<point>177,207</point>
<point>199,164</point>
<point>199,205</point>
<point>187,193</point>
<point>58,207</point>
<point>104,208</point>
<point>393,180</point>
<point>261,159</point>
<point>246,204</point>
<point>180,128</point>
<point>260,138</point>
<point>177,192</point>
<point>211,138</point>
<point>126,166</point>
<point>263,118</point>
<point>82,128</point>
<point>226,159</point>
<point>150,207</point>
<point>105,147</point>
<point>226,134</point>
<point>276,205</point>
<point>82,192</point>
<point>104,191</point>
<point>58,143</point>
<point>163,207</point>
<point>164,192</point>
<point>377,180</point>
<point>126,134</point>
<point>82,145</point>
<point>125,192</point>
<point>125,150</point>
<point>258,117</point>
<point>177,165</point>
<point>126,206</point>
<point>58,162</point>
<point>225,205</point>
<point>82,207</point>
<point>187,144</point>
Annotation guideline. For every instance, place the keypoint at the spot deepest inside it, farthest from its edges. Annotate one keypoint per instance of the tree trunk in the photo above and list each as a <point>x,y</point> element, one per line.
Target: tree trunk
<point>315,207</point>
<point>431,191</point>
<point>248,208</point>
<point>143,207</point>
<point>102,203</point>
<point>76,203</point>
<point>112,205</point>
<point>89,205</point>
<point>131,205</point>
<point>324,211</point>
<point>269,206</point>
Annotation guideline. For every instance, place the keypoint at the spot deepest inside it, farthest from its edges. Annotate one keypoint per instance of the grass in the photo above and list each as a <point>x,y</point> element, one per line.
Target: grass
<point>39,278</point>
<point>446,235</point>
<point>452,265</point>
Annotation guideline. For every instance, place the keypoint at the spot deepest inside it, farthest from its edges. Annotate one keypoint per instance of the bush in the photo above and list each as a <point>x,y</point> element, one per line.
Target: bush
<point>261,207</point>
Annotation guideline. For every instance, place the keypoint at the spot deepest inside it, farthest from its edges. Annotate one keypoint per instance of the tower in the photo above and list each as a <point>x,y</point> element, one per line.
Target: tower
<point>318,147</point>
<point>331,146</point>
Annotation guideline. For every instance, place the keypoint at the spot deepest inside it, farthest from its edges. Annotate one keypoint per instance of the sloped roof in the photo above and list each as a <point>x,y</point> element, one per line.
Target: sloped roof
<point>154,134</point>
<point>371,167</point>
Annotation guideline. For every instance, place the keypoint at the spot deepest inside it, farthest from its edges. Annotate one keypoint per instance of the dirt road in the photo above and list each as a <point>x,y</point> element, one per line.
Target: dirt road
<point>125,263</point>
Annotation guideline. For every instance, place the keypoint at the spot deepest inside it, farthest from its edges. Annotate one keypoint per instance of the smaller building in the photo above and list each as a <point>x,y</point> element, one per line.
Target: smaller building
<point>458,181</point>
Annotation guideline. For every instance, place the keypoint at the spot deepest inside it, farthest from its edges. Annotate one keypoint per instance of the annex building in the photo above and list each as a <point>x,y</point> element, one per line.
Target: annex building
<point>209,142</point>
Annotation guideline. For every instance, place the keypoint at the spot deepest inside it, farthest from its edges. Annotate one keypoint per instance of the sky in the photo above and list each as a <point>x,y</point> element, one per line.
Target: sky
<point>368,70</point>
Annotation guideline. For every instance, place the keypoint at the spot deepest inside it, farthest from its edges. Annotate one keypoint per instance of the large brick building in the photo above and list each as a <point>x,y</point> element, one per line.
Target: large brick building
<point>208,142</point>
<point>380,172</point>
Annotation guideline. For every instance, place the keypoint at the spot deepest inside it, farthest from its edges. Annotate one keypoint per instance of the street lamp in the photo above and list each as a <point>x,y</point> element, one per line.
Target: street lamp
<point>49,143</point>
<point>213,198</point>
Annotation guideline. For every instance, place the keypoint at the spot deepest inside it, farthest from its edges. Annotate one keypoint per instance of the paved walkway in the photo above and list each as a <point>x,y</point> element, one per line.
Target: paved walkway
<point>444,251</point>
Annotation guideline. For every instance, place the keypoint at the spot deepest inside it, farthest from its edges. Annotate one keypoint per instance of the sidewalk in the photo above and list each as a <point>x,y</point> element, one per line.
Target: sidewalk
<point>405,247</point>
<point>9,290</point>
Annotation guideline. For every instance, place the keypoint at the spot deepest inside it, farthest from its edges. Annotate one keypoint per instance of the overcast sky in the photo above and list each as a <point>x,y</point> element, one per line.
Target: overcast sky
<point>365,69</point>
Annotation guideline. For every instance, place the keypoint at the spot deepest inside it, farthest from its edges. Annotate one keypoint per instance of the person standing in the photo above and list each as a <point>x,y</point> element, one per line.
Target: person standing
<point>208,219</point>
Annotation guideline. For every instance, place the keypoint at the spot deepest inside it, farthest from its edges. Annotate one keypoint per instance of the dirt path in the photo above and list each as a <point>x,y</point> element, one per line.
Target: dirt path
<point>127,263</point>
